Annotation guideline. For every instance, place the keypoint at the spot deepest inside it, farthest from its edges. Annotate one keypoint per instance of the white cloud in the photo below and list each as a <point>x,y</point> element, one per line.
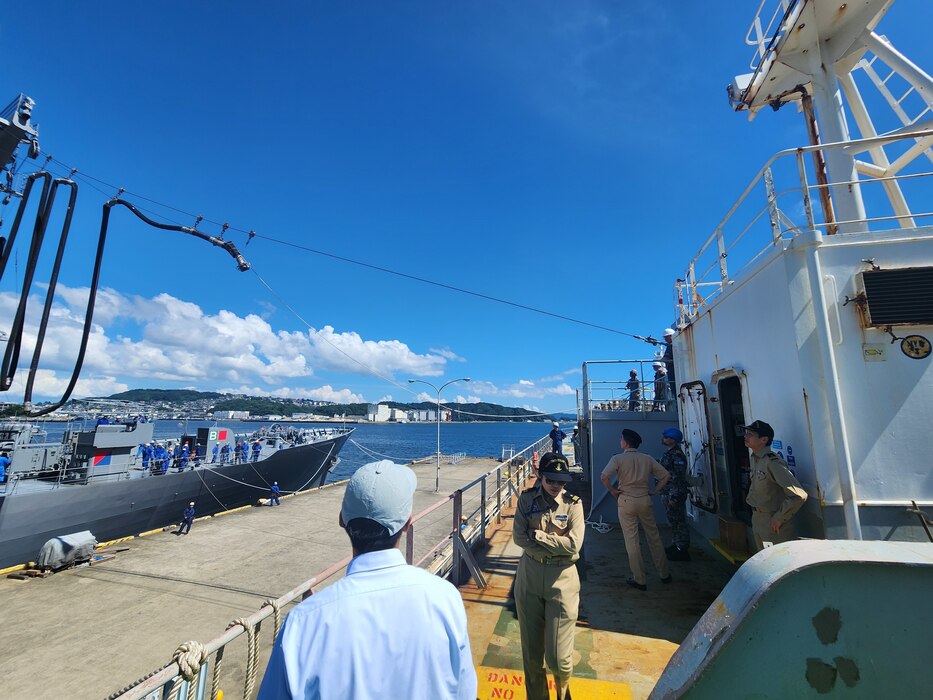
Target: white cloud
<point>467,399</point>
<point>49,385</point>
<point>561,375</point>
<point>335,350</point>
<point>520,390</point>
<point>424,396</point>
<point>447,354</point>
<point>164,339</point>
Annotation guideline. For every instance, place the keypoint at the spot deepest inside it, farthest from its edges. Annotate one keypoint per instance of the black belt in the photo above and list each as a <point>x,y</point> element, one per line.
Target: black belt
<point>550,560</point>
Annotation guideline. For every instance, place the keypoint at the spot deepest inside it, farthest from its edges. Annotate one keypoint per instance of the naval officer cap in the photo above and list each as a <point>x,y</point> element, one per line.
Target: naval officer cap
<point>760,428</point>
<point>382,492</point>
<point>555,467</point>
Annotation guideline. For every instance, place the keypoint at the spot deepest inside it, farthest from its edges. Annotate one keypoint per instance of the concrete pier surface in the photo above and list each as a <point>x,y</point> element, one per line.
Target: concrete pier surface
<point>90,631</point>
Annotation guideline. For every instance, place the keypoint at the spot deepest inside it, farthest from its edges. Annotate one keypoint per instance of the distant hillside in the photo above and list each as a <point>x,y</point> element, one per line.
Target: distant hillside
<point>165,395</point>
<point>462,412</point>
<point>263,406</point>
<point>258,405</point>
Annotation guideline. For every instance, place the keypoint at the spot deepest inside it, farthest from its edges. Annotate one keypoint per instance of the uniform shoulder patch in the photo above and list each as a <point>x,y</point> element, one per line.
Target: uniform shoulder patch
<point>571,498</point>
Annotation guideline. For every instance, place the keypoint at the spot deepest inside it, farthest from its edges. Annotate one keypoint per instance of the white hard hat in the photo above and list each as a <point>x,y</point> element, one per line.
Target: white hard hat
<point>668,331</point>
<point>657,364</point>
<point>191,504</point>
<point>556,424</point>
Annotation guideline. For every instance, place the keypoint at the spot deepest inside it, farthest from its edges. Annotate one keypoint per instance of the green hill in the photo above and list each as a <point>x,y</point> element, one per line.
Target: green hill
<point>165,395</point>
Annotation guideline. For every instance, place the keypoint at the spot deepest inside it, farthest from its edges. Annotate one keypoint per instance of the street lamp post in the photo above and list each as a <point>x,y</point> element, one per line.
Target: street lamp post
<point>437,469</point>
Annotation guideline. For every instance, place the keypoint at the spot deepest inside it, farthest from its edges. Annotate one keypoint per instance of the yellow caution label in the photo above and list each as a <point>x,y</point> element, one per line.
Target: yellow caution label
<point>510,685</point>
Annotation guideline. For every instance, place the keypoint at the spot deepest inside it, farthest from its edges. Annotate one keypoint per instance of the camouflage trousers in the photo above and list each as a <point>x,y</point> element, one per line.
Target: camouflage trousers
<point>676,505</point>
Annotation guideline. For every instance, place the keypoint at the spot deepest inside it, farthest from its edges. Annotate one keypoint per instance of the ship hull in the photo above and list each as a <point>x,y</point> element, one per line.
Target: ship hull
<point>115,509</point>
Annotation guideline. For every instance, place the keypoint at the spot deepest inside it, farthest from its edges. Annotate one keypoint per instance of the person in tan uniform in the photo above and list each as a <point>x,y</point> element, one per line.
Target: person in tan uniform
<point>549,527</point>
<point>632,470</point>
<point>774,494</point>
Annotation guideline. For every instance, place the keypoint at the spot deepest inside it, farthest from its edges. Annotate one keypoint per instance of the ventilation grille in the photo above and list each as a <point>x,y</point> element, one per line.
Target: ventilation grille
<point>899,297</point>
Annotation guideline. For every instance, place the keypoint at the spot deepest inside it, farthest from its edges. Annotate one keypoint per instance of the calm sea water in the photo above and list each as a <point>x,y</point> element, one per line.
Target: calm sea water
<point>398,442</point>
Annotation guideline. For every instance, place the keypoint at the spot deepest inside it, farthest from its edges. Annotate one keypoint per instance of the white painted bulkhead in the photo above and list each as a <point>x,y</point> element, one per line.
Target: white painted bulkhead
<point>851,412</point>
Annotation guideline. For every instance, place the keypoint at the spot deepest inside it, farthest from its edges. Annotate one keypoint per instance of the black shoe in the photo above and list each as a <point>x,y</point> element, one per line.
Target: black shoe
<point>667,579</point>
<point>634,584</point>
<point>677,554</point>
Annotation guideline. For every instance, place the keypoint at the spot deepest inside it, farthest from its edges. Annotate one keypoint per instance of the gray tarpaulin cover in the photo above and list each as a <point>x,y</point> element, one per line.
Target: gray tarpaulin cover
<point>67,549</point>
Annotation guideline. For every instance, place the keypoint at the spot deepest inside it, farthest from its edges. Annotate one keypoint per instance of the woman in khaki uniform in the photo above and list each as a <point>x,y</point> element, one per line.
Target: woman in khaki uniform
<point>549,527</point>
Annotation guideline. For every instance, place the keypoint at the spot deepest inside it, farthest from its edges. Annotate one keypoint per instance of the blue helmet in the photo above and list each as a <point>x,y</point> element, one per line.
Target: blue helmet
<point>673,434</point>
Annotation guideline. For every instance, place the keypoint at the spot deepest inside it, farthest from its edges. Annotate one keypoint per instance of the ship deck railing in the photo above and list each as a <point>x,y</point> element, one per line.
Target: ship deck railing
<point>754,225</point>
<point>195,669</point>
<point>612,394</point>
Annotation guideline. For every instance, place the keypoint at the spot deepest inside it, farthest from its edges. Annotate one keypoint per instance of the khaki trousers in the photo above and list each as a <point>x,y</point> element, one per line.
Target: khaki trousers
<point>633,510</point>
<point>547,600</point>
<point>761,527</point>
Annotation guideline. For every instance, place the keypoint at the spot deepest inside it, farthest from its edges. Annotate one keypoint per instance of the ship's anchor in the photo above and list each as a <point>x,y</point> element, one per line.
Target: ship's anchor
<point>46,202</point>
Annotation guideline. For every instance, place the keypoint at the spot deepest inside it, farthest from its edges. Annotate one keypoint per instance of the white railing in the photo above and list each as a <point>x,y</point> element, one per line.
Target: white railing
<point>471,510</point>
<point>763,38</point>
<point>785,213</point>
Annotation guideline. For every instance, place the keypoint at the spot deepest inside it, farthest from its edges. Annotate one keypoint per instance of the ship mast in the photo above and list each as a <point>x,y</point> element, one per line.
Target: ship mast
<point>808,53</point>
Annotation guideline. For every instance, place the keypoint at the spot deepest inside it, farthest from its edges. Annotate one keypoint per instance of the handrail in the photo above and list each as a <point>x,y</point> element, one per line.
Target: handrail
<point>169,679</point>
<point>689,304</point>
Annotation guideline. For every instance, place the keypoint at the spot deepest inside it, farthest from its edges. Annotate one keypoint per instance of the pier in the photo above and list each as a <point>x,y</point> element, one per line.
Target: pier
<point>89,631</point>
<point>92,631</point>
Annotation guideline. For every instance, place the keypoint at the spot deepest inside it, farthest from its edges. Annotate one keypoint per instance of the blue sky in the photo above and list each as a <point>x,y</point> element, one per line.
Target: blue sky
<point>568,156</point>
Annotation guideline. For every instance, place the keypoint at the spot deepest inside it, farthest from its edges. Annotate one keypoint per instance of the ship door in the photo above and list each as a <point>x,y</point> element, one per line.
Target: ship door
<point>733,444</point>
<point>701,471</point>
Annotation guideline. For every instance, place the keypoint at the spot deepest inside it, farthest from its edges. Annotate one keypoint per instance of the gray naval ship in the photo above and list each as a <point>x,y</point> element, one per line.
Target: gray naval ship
<point>95,478</point>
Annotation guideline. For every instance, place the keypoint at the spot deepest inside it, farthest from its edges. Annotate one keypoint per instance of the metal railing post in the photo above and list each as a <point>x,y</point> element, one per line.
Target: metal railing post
<point>773,215</point>
<point>410,544</point>
<point>458,512</point>
<point>482,509</point>
<point>498,494</point>
<point>805,190</point>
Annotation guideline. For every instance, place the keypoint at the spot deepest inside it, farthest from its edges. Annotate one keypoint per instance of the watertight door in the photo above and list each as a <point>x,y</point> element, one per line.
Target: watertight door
<point>733,445</point>
<point>701,471</point>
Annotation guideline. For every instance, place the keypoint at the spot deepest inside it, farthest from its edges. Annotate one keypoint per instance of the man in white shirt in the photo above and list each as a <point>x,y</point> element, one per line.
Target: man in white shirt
<point>386,630</point>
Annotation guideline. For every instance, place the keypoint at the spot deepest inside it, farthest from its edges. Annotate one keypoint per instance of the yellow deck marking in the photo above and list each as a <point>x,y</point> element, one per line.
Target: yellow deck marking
<point>731,555</point>
<point>506,684</point>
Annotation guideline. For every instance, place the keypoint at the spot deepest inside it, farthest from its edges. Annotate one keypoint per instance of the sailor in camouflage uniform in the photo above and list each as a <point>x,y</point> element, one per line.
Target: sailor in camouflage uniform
<point>549,527</point>
<point>675,494</point>
<point>775,495</point>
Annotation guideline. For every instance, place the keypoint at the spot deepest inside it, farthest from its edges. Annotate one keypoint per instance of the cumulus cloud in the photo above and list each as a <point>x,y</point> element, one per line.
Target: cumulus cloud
<point>467,399</point>
<point>49,386</point>
<point>348,352</point>
<point>170,340</point>
<point>525,382</point>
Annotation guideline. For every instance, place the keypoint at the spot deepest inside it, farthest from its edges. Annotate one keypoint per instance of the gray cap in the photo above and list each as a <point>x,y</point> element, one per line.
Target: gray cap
<point>382,492</point>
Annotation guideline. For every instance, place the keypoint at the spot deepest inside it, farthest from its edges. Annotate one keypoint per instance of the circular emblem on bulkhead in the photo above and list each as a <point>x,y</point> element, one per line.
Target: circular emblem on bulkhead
<point>916,347</point>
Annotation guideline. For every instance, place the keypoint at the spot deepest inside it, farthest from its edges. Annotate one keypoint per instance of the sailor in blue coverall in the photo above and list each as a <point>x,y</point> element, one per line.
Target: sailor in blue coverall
<point>187,517</point>
<point>274,497</point>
